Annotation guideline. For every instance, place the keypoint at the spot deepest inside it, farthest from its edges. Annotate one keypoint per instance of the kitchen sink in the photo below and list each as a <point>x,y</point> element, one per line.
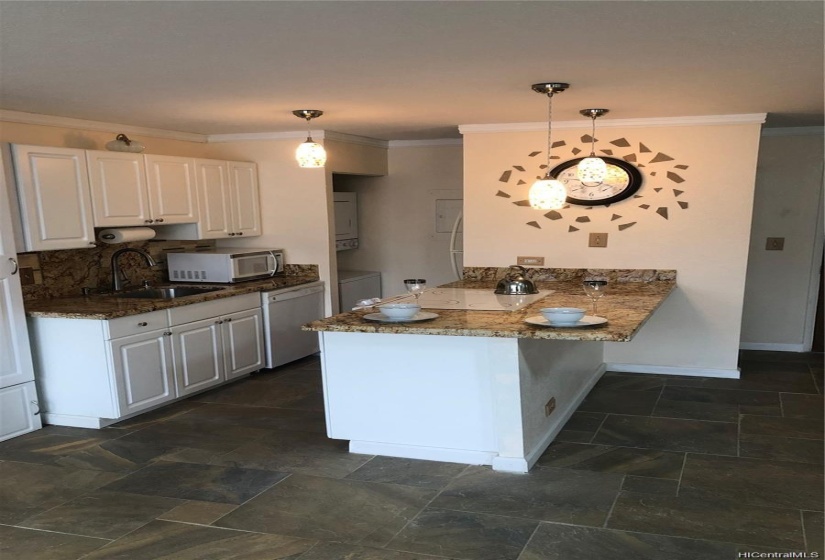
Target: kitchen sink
<point>170,292</point>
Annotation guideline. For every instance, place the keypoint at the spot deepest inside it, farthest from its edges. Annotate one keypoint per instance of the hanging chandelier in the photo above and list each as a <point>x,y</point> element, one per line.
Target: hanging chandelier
<point>592,170</point>
<point>310,153</point>
<point>547,193</point>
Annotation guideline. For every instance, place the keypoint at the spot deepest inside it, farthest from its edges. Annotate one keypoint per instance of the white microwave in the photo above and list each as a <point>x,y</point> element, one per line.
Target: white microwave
<point>225,265</point>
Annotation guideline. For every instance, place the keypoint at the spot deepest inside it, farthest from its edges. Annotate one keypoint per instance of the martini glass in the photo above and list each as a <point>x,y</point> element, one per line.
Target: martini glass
<point>415,286</point>
<point>595,290</point>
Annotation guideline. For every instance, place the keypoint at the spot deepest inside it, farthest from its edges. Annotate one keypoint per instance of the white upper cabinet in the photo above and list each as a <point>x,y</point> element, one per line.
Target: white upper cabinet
<point>213,199</point>
<point>228,201</point>
<point>245,198</point>
<point>53,192</point>
<point>119,194</point>
<point>172,193</point>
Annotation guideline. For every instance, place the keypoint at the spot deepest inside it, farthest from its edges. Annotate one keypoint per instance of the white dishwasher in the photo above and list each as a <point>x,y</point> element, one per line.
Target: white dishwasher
<point>285,311</point>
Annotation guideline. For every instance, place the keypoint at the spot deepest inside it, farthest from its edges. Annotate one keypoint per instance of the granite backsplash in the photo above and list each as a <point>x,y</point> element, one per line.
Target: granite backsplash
<point>489,273</point>
<point>50,274</point>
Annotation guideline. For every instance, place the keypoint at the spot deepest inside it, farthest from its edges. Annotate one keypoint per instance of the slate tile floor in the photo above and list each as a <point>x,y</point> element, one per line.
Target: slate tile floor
<point>650,467</point>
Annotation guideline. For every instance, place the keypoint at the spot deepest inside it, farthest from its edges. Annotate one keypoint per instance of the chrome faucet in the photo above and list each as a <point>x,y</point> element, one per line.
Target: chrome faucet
<point>117,273</point>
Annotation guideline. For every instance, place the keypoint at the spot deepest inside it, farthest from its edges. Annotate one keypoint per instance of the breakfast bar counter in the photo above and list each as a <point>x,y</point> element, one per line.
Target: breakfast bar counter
<point>472,386</point>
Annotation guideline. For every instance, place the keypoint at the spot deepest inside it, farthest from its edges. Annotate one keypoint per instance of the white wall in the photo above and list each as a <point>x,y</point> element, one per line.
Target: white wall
<point>788,204</point>
<point>397,216</point>
<point>697,328</point>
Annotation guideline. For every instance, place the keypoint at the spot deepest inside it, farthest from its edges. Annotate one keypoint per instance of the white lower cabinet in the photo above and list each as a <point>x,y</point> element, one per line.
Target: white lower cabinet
<point>143,371</point>
<point>92,373</point>
<point>198,353</point>
<point>19,410</point>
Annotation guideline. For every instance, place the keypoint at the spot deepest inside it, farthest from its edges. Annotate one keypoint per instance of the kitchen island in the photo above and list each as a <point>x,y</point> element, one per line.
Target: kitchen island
<point>470,386</point>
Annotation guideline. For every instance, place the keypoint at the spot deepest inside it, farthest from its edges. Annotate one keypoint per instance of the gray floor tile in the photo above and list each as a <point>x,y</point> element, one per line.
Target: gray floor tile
<point>28,489</point>
<point>45,448</point>
<point>756,376</point>
<point>782,448</point>
<point>201,513</point>
<point>107,515</point>
<point>115,456</point>
<point>631,382</point>
<point>720,404</point>
<point>409,472</point>
<point>186,481</point>
<point>546,494</point>
<point>645,485</point>
<point>474,536</point>
<point>814,532</point>
<point>714,520</point>
<point>806,428</point>
<point>180,541</point>
<point>669,434</point>
<point>341,551</point>
<point>28,544</point>
<point>581,427</point>
<point>167,412</point>
<point>616,401</point>
<point>174,434</point>
<point>297,452</point>
<point>605,458</point>
<point>566,542</point>
<point>270,394</point>
<point>331,509</point>
<point>753,481</point>
<point>717,412</point>
<point>802,406</point>
<point>258,418</point>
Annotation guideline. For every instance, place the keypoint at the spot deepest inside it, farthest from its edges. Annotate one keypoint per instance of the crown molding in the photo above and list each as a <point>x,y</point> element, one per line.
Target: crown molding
<point>423,143</point>
<point>750,118</point>
<point>68,122</point>
<point>300,135</point>
<point>795,131</point>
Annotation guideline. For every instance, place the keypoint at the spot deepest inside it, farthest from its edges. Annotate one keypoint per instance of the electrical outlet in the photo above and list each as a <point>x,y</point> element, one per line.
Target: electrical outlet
<point>530,261</point>
<point>775,244</point>
<point>550,406</point>
<point>598,240</point>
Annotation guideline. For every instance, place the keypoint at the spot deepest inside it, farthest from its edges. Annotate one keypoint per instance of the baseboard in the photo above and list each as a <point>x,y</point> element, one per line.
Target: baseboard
<point>562,419</point>
<point>76,421</point>
<point>673,370</point>
<point>771,346</point>
<point>420,452</point>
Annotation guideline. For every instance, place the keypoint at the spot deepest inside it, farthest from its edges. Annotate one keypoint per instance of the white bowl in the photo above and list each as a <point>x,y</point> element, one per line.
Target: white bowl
<point>400,310</point>
<point>562,315</point>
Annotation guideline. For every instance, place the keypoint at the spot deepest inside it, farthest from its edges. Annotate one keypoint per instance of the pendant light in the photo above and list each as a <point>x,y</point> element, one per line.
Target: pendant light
<point>592,170</point>
<point>310,153</point>
<point>548,193</point>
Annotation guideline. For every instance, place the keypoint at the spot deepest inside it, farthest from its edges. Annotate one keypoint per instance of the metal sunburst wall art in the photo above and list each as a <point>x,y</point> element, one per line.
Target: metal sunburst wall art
<point>644,178</point>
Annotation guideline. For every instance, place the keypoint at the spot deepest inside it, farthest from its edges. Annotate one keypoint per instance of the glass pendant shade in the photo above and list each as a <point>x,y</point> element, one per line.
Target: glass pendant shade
<point>592,171</point>
<point>311,154</point>
<point>547,194</point>
<point>122,143</point>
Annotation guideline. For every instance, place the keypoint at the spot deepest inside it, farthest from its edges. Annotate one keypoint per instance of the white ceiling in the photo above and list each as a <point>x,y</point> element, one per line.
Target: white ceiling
<point>407,69</point>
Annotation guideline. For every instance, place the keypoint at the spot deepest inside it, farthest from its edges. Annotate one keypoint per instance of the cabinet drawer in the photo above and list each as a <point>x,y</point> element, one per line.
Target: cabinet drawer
<point>136,324</point>
<point>215,308</point>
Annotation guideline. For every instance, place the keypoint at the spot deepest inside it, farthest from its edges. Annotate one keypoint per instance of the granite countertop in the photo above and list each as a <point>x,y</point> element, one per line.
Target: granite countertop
<point>626,305</point>
<point>108,306</point>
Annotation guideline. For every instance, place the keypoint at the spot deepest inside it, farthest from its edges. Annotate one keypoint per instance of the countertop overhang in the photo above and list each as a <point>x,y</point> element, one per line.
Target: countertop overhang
<point>627,306</point>
<point>109,306</point>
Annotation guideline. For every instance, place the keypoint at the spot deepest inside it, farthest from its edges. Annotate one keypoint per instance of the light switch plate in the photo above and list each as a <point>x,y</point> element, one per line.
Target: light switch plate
<point>530,261</point>
<point>775,244</point>
<point>598,240</point>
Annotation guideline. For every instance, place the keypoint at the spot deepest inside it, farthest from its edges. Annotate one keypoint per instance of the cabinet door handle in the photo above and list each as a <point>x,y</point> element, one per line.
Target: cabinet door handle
<point>232,234</point>
<point>167,333</point>
<point>240,233</point>
<point>37,407</point>
<point>143,324</point>
<point>228,320</point>
<point>159,220</point>
<point>148,221</point>
<point>219,322</point>
<point>15,266</point>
